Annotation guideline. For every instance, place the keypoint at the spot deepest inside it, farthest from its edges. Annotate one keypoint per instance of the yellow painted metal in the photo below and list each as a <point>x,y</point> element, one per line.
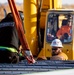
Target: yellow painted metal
<point>55,4</point>
<point>30,20</point>
<point>68,50</point>
<point>73,40</point>
<point>48,50</point>
<point>68,47</point>
<point>59,4</point>
<point>42,20</point>
<point>30,14</point>
<point>48,4</point>
<point>42,55</point>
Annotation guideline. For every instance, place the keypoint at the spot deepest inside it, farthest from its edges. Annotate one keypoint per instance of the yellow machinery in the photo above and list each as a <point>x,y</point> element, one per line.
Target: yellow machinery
<point>36,24</point>
<point>54,21</point>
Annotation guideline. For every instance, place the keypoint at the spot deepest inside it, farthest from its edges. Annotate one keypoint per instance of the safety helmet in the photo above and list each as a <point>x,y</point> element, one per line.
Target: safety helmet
<point>56,43</point>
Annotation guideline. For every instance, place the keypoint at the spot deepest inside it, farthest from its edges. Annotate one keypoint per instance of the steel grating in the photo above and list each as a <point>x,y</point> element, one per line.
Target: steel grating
<point>40,66</point>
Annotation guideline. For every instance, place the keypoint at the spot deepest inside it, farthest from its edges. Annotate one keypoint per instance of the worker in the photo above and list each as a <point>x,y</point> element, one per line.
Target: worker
<point>57,53</point>
<point>66,29</point>
<point>9,41</point>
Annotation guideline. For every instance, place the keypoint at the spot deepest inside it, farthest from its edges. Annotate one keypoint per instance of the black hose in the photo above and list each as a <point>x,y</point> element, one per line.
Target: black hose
<point>38,24</point>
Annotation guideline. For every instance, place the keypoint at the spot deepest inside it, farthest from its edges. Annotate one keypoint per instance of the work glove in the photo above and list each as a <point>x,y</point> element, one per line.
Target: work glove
<point>29,56</point>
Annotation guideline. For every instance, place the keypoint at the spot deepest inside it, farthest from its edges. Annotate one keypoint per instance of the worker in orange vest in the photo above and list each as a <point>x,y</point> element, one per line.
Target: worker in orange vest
<point>65,29</point>
<point>57,53</point>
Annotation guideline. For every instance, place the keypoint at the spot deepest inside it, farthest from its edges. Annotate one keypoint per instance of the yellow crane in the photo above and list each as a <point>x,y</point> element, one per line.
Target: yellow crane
<point>35,23</point>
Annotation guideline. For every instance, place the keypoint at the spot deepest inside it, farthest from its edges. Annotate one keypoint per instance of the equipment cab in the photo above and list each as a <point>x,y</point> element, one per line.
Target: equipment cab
<point>60,24</point>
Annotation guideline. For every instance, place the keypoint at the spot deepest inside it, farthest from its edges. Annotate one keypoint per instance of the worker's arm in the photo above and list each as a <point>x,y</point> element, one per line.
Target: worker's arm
<point>59,33</point>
